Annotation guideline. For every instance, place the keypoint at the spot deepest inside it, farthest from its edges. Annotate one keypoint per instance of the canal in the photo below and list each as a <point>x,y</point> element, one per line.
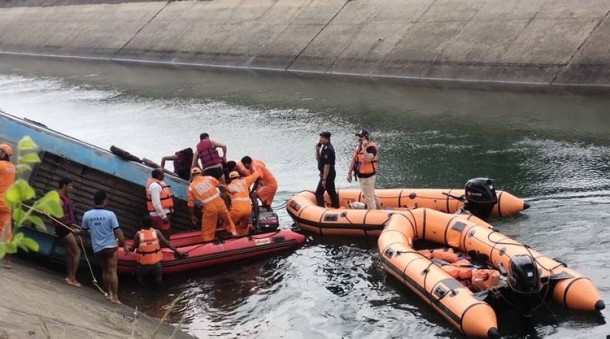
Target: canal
<point>551,148</point>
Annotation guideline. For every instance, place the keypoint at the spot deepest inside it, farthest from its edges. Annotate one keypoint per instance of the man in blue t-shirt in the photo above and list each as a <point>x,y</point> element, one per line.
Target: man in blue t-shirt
<point>103,226</point>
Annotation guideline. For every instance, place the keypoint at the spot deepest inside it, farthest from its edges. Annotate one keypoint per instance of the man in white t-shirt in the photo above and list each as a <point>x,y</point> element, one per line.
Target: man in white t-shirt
<point>159,202</point>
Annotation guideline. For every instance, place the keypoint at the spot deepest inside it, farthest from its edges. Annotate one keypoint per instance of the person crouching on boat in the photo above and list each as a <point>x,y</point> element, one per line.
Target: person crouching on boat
<point>211,161</point>
<point>182,162</point>
<point>266,185</point>
<point>364,164</point>
<point>7,178</point>
<point>147,244</point>
<point>205,189</point>
<point>241,205</point>
<point>159,202</point>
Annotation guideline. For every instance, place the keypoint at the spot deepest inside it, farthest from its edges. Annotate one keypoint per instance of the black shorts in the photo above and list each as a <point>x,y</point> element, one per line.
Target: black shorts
<point>216,172</point>
<point>61,232</point>
<point>154,272</point>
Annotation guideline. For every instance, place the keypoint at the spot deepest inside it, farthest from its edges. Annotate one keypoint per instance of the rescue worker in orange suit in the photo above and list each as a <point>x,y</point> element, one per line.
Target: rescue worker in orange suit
<point>159,202</point>
<point>205,189</point>
<point>7,178</point>
<point>211,161</point>
<point>182,162</point>
<point>365,164</point>
<point>266,185</point>
<point>147,244</point>
<point>241,205</point>
<point>325,155</point>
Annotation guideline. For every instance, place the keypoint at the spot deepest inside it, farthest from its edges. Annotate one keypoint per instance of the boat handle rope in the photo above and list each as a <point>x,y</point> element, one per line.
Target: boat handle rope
<point>282,205</point>
<point>542,300</point>
<point>73,228</point>
<point>238,237</point>
<point>543,285</point>
<point>460,198</point>
<point>344,215</point>
<point>527,248</point>
<point>425,273</point>
<point>443,294</point>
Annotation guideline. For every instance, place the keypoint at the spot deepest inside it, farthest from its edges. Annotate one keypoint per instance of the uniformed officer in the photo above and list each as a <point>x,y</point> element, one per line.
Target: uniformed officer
<point>325,154</point>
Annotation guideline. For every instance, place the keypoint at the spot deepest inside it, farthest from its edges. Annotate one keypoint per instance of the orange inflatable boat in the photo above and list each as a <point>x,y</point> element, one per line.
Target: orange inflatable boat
<point>523,277</point>
<point>478,197</point>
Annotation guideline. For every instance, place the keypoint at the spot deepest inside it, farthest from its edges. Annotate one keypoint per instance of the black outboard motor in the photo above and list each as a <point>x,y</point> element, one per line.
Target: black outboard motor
<point>480,197</point>
<point>266,221</point>
<point>524,281</point>
<point>523,274</point>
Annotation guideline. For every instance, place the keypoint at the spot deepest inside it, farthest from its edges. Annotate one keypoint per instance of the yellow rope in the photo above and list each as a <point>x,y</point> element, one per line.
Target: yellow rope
<point>73,228</point>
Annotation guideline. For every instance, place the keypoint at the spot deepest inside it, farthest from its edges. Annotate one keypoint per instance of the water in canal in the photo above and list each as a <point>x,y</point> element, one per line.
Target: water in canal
<point>552,149</point>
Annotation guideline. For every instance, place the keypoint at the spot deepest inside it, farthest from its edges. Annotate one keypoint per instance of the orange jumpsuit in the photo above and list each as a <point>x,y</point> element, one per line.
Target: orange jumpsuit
<point>7,178</point>
<point>241,205</point>
<point>205,189</point>
<point>267,184</point>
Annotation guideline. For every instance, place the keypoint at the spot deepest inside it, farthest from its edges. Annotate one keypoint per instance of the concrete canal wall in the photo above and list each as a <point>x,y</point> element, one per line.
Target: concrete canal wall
<point>543,42</point>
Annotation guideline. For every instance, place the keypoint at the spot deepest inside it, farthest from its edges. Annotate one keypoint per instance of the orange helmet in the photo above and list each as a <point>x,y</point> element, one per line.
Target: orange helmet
<point>7,149</point>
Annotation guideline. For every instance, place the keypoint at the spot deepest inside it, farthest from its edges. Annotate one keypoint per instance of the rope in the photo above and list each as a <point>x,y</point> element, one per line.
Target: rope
<point>542,285</point>
<point>280,206</point>
<point>133,325</point>
<point>262,236</point>
<point>93,279</point>
<point>65,165</point>
<point>533,308</point>
<point>73,228</point>
<point>527,248</point>
<point>46,214</point>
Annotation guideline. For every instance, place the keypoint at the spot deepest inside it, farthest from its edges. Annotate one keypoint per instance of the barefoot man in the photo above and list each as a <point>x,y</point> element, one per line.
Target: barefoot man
<point>63,231</point>
<point>103,226</point>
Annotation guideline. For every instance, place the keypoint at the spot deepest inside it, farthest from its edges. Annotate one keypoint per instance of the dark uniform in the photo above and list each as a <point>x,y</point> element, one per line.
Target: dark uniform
<point>327,157</point>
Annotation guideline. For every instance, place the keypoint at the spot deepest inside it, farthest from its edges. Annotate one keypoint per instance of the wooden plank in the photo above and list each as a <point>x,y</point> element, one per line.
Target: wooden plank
<point>126,199</point>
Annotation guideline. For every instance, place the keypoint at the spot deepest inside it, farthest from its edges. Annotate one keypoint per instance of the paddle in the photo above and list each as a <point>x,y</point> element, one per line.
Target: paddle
<point>123,154</point>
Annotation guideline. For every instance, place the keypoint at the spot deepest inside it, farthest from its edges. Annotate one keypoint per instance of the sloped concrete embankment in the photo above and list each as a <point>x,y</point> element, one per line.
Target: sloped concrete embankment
<point>37,303</point>
<point>543,42</point>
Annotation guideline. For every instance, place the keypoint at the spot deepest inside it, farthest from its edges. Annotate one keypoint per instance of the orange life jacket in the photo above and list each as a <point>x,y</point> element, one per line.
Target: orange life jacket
<point>446,254</point>
<point>450,262</point>
<point>167,199</point>
<point>149,250</point>
<point>239,191</point>
<point>461,269</point>
<point>204,189</point>
<point>485,279</point>
<point>363,167</point>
